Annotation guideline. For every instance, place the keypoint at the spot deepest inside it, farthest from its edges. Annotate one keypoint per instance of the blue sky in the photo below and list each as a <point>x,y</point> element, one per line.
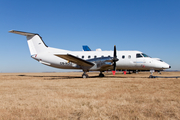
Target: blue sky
<point>150,26</point>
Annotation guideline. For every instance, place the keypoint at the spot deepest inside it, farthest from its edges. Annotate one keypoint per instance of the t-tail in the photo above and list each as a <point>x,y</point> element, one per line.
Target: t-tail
<point>35,42</point>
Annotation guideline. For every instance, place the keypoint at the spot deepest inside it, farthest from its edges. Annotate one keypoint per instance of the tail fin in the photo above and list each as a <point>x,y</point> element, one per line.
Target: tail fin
<point>35,42</point>
<point>86,48</point>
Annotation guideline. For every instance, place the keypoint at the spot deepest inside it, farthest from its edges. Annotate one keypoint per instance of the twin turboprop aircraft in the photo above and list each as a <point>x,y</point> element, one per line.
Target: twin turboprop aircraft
<point>90,60</point>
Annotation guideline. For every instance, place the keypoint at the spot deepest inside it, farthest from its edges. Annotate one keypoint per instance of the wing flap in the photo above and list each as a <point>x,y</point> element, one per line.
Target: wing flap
<point>75,60</point>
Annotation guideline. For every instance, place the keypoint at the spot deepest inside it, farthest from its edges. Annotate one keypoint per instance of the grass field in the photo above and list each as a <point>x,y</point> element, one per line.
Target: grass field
<point>67,96</point>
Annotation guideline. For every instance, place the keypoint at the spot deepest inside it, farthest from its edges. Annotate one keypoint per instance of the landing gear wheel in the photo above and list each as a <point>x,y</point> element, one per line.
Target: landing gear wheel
<point>84,75</point>
<point>101,75</point>
<point>159,72</point>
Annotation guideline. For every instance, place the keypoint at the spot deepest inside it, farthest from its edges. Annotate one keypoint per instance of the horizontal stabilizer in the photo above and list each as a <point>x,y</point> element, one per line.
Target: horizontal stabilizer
<point>22,33</point>
<point>75,60</point>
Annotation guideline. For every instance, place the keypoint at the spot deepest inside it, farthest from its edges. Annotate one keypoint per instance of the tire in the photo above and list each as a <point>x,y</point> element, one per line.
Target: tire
<point>84,76</point>
<point>101,75</point>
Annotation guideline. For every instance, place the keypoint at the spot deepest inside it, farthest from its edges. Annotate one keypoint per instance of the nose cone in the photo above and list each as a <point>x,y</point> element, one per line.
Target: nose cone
<point>166,66</point>
<point>162,65</point>
<point>159,64</point>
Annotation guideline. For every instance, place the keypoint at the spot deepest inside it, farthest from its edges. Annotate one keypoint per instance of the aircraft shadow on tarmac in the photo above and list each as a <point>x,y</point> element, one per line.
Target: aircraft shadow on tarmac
<point>75,77</point>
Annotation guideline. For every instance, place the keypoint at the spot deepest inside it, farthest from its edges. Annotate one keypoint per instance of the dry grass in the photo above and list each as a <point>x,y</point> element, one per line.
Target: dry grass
<point>56,96</point>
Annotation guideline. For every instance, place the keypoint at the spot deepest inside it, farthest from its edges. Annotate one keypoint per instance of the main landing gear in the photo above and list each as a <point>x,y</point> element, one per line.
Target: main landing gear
<point>84,75</point>
<point>101,74</point>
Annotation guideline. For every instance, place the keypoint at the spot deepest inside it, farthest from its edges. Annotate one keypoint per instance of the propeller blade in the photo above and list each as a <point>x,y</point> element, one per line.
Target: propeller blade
<point>114,60</point>
<point>115,51</point>
<point>114,66</point>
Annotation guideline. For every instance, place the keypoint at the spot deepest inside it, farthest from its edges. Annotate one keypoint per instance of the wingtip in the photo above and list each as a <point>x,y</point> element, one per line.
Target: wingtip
<point>11,31</point>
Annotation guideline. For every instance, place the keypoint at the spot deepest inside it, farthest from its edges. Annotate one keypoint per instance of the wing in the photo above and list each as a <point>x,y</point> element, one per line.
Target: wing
<point>75,60</point>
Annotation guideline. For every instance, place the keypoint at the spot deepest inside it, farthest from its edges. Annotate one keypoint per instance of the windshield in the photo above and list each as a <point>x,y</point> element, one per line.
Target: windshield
<point>138,55</point>
<point>145,55</point>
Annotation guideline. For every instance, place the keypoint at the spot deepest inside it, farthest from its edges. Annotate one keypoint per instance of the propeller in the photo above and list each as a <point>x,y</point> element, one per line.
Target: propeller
<point>114,60</point>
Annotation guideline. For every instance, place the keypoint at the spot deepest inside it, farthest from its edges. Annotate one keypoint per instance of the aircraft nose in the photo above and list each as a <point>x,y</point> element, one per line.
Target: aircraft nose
<point>166,66</point>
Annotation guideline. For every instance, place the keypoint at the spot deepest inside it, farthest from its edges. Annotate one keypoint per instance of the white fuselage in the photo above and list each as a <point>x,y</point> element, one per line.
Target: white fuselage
<point>128,60</point>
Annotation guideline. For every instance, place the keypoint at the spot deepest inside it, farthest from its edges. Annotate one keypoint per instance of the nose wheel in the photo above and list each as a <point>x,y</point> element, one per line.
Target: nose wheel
<point>151,71</point>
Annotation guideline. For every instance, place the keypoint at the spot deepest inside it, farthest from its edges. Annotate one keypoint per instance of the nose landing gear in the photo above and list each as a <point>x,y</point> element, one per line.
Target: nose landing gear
<point>151,71</point>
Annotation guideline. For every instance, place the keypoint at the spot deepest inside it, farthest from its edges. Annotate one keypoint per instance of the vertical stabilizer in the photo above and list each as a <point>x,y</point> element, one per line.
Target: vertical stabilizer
<point>86,48</point>
<point>35,42</point>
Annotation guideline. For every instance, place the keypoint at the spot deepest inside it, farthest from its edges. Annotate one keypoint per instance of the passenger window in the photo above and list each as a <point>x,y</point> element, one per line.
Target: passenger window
<point>102,56</point>
<point>123,57</point>
<point>89,56</point>
<point>82,56</point>
<point>129,56</point>
<point>109,56</point>
<point>138,55</point>
<point>95,56</point>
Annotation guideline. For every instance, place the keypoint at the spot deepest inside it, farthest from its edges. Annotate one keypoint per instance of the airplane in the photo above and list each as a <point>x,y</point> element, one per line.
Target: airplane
<point>88,60</point>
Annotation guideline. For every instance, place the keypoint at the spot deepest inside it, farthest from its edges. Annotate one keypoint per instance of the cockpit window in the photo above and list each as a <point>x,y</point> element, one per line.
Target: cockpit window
<point>145,55</point>
<point>138,55</point>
